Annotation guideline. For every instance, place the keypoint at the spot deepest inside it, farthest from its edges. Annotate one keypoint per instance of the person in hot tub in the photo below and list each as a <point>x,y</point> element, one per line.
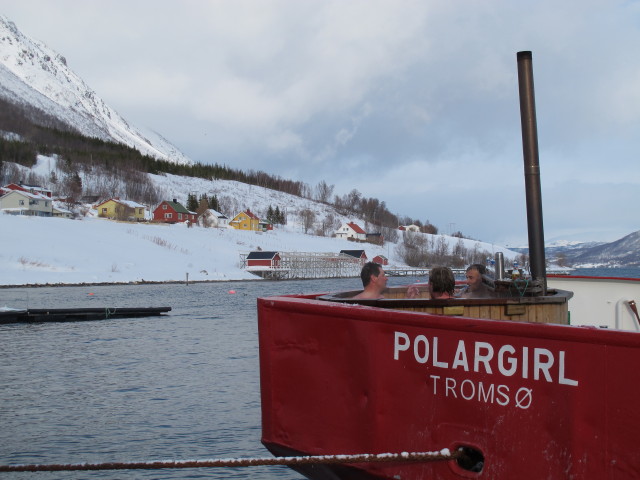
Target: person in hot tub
<point>374,281</point>
<point>476,287</point>
<point>442,283</point>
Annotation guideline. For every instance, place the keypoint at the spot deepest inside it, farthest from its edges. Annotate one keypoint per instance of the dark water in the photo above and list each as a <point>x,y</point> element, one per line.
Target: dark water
<point>176,387</point>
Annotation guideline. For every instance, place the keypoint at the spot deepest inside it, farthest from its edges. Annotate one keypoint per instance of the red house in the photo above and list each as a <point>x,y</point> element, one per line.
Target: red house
<point>381,259</point>
<point>173,212</point>
<point>359,254</point>
<point>263,259</point>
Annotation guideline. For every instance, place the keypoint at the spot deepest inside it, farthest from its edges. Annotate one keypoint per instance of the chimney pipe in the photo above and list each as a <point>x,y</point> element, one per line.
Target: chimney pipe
<point>531,170</point>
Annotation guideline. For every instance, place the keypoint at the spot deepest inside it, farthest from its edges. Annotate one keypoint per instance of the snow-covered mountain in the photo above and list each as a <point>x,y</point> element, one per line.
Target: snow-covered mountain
<point>622,252</point>
<point>31,74</point>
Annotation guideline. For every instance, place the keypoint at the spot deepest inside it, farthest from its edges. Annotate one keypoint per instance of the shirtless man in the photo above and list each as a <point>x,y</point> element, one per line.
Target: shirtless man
<point>374,281</point>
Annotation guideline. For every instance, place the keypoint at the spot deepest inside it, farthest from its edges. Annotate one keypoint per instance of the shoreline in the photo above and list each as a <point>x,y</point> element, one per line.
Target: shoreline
<point>156,282</point>
<point>132,283</point>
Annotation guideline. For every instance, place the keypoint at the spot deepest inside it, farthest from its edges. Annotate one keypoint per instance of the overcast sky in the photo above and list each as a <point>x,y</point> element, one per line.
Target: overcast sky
<point>411,102</point>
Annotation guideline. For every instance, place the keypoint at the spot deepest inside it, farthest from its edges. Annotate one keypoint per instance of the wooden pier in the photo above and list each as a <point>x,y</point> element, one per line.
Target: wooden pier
<point>307,265</point>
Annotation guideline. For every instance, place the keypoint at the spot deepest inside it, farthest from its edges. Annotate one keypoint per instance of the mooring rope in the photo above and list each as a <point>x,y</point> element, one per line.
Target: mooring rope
<point>443,455</point>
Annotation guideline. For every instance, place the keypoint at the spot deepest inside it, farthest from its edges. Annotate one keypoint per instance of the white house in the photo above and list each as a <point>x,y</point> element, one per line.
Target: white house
<point>410,228</point>
<point>61,212</point>
<point>351,230</point>
<point>18,202</point>
<point>212,218</point>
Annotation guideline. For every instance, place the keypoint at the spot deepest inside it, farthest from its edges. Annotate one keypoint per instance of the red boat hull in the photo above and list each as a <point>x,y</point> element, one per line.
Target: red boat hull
<point>537,401</point>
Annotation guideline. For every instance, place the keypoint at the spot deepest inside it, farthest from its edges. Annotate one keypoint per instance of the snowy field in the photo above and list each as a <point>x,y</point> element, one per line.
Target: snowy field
<point>54,250</point>
<point>43,251</point>
<point>39,250</point>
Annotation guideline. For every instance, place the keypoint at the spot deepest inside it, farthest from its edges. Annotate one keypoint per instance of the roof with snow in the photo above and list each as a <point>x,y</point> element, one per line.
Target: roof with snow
<point>215,213</point>
<point>128,203</point>
<point>35,196</point>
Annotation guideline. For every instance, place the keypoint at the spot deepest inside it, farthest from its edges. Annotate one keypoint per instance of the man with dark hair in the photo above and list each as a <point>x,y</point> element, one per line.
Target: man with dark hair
<point>374,281</point>
<point>476,288</point>
<point>441,283</point>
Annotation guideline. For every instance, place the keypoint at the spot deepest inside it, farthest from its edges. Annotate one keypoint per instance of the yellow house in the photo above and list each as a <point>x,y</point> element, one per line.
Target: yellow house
<point>117,209</point>
<point>246,221</point>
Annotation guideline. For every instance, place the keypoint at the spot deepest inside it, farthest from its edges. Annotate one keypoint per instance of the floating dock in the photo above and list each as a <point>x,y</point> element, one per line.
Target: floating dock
<point>32,315</point>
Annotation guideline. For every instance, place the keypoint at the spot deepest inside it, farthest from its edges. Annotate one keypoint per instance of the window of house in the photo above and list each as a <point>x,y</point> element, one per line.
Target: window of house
<point>21,202</point>
<point>104,210</point>
<point>179,216</point>
<point>168,215</point>
<point>164,207</point>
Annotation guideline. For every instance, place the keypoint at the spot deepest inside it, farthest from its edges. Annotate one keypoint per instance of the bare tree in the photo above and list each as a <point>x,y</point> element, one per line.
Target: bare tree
<point>413,249</point>
<point>308,218</point>
<point>441,251</point>
<point>72,188</point>
<point>328,226</point>
<point>123,212</point>
<point>390,234</point>
<point>324,191</point>
<point>353,200</point>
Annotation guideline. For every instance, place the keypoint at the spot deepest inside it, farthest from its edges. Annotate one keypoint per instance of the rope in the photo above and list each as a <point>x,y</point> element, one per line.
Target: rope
<point>443,455</point>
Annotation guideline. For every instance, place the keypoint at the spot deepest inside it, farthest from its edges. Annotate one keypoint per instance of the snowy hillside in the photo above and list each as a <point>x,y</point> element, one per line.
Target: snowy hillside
<point>92,250</point>
<point>53,251</point>
<point>33,74</point>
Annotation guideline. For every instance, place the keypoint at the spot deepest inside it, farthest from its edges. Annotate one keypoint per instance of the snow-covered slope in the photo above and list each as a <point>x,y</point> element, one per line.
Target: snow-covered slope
<point>41,251</point>
<point>92,250</point>
<point>54,250</point>
<point>33,74</point>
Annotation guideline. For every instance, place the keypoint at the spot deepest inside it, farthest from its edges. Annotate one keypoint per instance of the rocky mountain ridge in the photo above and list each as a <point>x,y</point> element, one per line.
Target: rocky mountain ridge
<point>624,252</point>
<point>32,74</point>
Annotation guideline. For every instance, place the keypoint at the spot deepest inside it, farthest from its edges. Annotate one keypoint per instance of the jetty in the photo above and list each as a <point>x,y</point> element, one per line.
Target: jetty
<point>303,265</point>
<point>33,315</point>
<point>277,265</point>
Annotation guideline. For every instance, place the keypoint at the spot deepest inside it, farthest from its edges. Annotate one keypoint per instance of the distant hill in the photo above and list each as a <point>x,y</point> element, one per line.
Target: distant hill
<point>624,252</point>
